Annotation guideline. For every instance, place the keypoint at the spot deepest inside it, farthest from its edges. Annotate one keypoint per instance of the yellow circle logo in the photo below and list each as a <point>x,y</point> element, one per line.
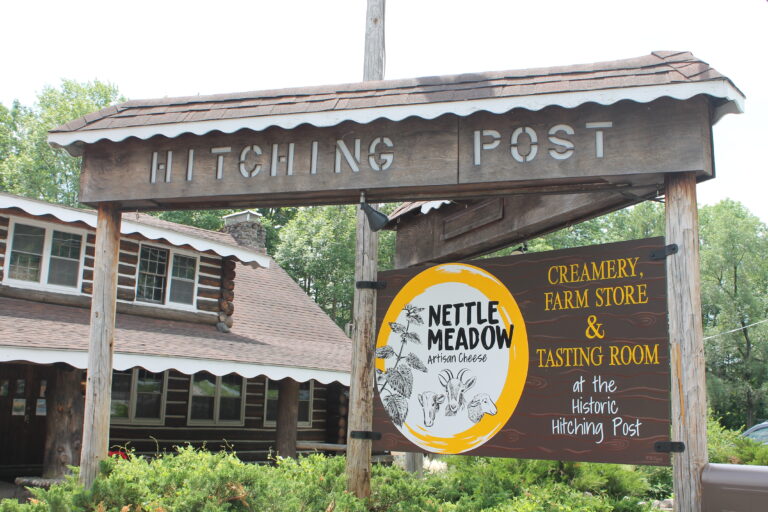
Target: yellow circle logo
<point>451,358</point>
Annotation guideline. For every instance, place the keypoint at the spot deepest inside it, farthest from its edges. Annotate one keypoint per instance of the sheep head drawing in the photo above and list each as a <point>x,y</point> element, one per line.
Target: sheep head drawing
<point>480,405</point>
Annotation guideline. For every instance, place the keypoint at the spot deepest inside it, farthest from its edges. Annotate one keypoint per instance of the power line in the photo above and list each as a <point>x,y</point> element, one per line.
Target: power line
<point>734,330</point>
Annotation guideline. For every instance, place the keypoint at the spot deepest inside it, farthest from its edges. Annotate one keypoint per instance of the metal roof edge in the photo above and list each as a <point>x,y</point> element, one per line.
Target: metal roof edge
<point>189,366</point>
<point>720,88</point>
<point>67,214</point>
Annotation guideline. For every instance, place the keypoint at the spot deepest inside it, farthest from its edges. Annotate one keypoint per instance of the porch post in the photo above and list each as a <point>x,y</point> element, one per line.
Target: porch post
<point>287,417</point>
<point>101,346</point>
<point>686,344</point>
<point>64,422</point>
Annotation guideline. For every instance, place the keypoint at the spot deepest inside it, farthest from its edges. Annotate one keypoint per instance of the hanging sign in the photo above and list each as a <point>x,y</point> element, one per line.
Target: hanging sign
<point>556,355</point>
<point>591,146</point>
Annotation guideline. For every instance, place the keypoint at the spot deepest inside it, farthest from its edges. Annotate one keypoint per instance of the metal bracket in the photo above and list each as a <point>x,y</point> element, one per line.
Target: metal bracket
<point>669,446</point>
<point>365,434</point>
<point>374,285</point>
<point>661,254</point>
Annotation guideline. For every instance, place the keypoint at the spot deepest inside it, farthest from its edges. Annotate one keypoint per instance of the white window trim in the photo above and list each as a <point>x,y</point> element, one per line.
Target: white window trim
<point>46,257</point>
<point>167,294</point>
<point>131,419</point>
<point>216,396</point>
<point>306,424</point>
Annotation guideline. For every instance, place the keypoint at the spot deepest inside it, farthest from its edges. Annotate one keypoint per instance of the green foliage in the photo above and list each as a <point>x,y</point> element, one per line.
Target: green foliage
<point>734,286</point>
<point>556,498</point>
<point>202,481</point>
<point>28,165</point>
<point>730,447</point>
<point>478,483</point>
<point>317,249</point>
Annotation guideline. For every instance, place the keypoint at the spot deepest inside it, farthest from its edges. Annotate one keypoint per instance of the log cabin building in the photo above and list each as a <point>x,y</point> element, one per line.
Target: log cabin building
<point>214,341</point>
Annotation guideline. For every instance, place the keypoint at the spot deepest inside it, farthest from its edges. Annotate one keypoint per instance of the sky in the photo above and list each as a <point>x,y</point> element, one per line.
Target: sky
<point>178,48</point>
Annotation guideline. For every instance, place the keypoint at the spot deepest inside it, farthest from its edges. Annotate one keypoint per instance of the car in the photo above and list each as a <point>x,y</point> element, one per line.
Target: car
<point>758,432</point>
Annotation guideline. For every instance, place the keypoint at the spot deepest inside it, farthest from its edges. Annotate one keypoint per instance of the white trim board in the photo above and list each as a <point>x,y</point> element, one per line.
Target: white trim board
<point>65,214</point>
<point>642,94</point>
<point>189,366</point>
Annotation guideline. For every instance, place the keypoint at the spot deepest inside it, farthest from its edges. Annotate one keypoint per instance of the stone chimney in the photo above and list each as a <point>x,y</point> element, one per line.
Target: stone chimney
<point>245,227</point>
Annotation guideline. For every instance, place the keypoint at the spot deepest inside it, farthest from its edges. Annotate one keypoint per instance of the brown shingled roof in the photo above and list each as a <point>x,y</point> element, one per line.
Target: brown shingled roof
<point>151,220</point>
<point>275,323</point>
<point>658,68</point>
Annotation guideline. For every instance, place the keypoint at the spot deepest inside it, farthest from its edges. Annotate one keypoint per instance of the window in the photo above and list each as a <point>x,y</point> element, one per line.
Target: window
<point>156,285</point>
<point>216,400</point>
<point>138,396</point>
<point>306,390</point>
<point>41,255</point>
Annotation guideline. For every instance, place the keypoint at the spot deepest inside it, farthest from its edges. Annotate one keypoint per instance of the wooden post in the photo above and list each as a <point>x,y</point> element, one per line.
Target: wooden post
<point>64,421</point>
<point>362,378</point>
<point>686,345</point>
<point>102,341</point>
<point>414,463</point>
<point>287,417</point>
<point>364,319</point>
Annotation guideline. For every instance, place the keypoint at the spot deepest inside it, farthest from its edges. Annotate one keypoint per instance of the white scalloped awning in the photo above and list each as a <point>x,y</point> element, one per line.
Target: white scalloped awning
<point>722,89</point>
<point>189,366</point>
<point>127,227</point>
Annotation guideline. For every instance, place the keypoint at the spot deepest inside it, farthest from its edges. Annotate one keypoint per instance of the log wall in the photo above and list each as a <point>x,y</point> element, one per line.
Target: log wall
<point>252,441</point>
<point>4,221</point>
<point>215,279</point>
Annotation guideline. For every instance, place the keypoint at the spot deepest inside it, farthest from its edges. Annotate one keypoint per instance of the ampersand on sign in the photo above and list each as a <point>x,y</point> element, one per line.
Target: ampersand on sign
<point>594,329</point>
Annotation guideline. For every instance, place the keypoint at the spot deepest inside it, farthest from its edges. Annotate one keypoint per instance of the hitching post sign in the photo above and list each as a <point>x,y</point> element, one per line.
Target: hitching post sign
<point>557,355</point>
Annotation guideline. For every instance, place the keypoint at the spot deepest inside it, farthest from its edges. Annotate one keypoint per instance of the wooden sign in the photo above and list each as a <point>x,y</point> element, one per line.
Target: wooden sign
<point>558,355</point>
<point>627,144</point>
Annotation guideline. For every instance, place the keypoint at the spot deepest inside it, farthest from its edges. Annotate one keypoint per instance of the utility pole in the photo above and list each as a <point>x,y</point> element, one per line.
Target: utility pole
<point>366,262</point>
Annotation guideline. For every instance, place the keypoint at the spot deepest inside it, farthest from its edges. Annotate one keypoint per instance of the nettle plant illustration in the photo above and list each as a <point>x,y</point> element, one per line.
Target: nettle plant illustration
<point>396,383</point>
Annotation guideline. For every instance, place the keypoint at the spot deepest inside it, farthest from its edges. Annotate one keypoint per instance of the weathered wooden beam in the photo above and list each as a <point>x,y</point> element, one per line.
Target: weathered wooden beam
<point>686,345</point>
<point>364,314</point>
<point>322,447</point>
<point>64,421</point>
<point>287,417</point>
<point>469,229</point>
<point>102,342</point>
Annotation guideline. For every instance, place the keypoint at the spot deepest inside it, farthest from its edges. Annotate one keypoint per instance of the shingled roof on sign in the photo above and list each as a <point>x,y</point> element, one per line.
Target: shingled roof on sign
<point>678,75</point>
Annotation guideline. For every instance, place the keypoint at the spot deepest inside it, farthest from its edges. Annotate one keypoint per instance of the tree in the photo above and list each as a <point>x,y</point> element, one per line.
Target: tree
<point>734,274</point>
<point>30,166</point>
<point>317,248</point>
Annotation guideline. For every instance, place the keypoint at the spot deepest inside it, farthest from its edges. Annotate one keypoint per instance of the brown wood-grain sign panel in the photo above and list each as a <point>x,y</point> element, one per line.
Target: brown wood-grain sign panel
<point>557,355</point>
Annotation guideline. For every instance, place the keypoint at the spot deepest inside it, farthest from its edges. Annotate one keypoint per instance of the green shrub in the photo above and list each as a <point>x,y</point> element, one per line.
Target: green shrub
<point>553,498</point>
<point>197,480</point>
<point>730,447</point>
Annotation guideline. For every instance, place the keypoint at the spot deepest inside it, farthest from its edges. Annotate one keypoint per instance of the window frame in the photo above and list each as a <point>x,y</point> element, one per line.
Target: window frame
<point>172,251</point>
<point>45,257</point>
<point>216,403</point>
<point>131,419</point>
<point>302,424</point>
